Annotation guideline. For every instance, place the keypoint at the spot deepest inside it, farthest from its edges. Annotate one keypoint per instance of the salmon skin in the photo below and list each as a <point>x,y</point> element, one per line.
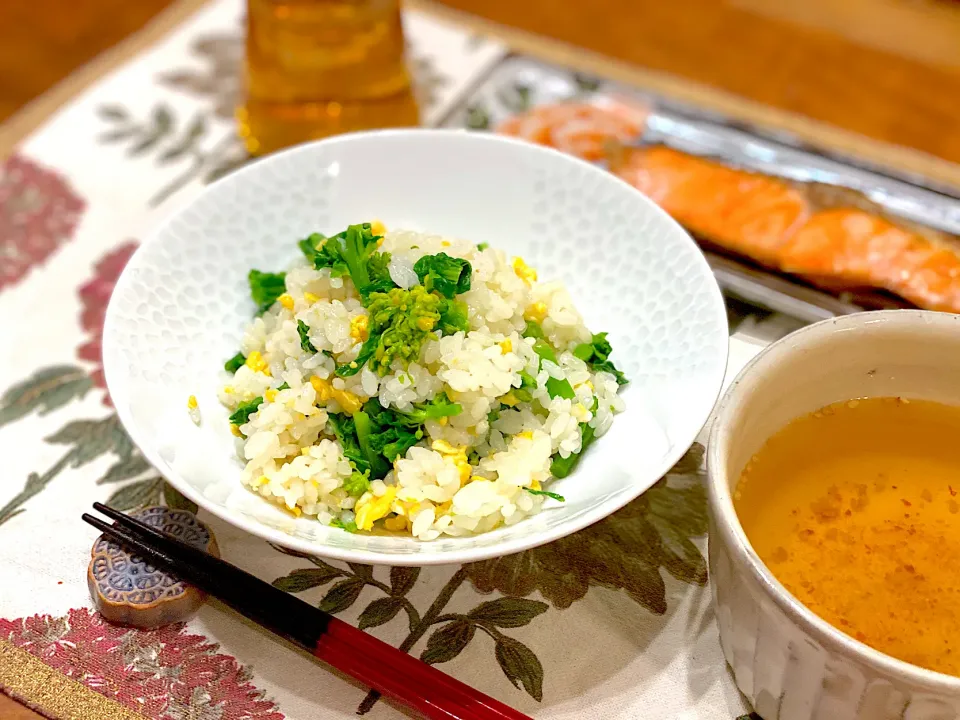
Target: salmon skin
<point>581,129</point>
<point>832,237</point>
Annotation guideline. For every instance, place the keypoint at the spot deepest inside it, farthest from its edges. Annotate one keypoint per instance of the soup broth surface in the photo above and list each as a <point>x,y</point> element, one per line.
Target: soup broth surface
<point>854,508</point>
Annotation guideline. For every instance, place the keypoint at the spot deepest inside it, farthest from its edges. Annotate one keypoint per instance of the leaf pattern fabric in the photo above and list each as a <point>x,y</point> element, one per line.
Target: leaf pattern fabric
<point>613,622</point>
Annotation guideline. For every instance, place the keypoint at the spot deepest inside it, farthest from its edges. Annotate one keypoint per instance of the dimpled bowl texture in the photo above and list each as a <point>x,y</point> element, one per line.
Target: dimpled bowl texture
<point>788,662</point>
<point>180,307</point>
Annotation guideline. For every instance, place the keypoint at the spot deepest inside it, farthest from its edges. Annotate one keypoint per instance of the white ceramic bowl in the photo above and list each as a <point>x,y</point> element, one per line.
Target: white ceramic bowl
<point>180,306</point>
<point>788,662</point>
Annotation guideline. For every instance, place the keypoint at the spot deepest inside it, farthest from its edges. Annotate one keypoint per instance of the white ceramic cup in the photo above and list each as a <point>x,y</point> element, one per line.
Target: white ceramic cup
<point>787,661</point>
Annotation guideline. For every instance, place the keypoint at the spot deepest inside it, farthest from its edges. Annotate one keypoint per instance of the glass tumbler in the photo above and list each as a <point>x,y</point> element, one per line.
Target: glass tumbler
<point>316,68</point>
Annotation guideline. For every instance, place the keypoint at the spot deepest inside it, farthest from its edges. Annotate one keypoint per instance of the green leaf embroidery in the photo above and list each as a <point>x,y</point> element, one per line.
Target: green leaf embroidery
<point>174,500</point>
<point>628,551</point>
<point>342,595</point>
<point>448,642</point>
<point>112,136</point>
<point>35,483</point>
<point>44,391</point>
<point>187,142</point>
<point>520,665</point>
<point>225,162</point>
<point>323,565</point>
<point>112,112</point>
<point>508,612</point>
<point>212,73</point>
<point>691,462</point>
<point>682,558</point>
<point>161,123</point>
<point>380,612</point>
<point>137,494</point>
<point>402,579</point>
<point>361,571</point>
<point>92,438</point>
<point>306,579</point>
<point>124,469</point>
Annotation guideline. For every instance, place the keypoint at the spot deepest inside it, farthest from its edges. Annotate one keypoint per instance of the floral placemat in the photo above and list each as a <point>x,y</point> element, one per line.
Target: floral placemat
<point>629,596</point>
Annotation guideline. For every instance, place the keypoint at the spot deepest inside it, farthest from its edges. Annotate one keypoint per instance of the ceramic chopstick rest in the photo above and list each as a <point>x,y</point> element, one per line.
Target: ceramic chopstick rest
<point>128,590</point>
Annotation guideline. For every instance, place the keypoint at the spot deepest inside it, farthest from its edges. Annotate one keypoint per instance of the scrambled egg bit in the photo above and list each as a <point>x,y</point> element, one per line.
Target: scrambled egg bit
<point>311,298</point>
<point>286,301</point>
<point>397,523</point>
<point>506,346</point>
<point>524,271</point>
<point>256,363</point>
<point>371,508</point>
<point>456,454</point>
<point>536,312</point>
<point>325,391</point>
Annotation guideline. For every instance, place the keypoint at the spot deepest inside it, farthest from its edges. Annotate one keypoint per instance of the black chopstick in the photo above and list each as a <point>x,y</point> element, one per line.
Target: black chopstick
<point>362,656</point>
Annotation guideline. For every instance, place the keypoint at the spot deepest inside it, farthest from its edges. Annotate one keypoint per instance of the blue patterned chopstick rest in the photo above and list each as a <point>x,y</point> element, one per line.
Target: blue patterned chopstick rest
<point>128,590</point>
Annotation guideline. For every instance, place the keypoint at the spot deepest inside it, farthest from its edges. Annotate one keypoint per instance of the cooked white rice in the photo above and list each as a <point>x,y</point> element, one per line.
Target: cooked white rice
<point>467,475</point>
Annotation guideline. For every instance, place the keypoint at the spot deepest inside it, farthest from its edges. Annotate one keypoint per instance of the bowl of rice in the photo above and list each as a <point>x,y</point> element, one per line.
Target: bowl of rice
<point>415,347</point>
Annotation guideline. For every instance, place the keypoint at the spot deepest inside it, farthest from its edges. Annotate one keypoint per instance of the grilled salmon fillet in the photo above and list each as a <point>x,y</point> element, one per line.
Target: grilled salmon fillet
<point>782,225</point>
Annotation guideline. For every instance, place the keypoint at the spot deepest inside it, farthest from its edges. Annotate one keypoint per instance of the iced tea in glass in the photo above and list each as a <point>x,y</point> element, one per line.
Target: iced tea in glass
<point>316,68</point>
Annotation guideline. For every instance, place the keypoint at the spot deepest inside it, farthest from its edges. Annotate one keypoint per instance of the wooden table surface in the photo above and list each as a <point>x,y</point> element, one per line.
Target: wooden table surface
<point>887,69</point>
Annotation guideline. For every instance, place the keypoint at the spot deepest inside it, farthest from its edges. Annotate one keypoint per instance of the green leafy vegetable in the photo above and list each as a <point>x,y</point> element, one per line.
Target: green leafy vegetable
<point>242,414</point>
<point>365,429</point>
<point>596,354</point>
<point>394,433</point>
<point>446,275</point>
<point>563,466</point>
<point>439,407</point>
<point>312,247</point>
<point>356,247</point>
<point>346,433</point>
<point>453,316</point>
<point>379,270</point>
<point>350,527</point>
<point>303,329</point>
<point>553,495</point>
<point>555,386</point>
<point>284,386</point>
<point>399,444</point>
<point>352,252</point>
<point>533,330</point>
<point>265,288</point>
<point>528,384</point>
<point>357,484</point>
<point>482,246</point>
<point>367,351</point>
<point>234,363</point>
<point>324,254</point>
<point>376,436</point>
<point>373,438</point>
<point>400,322</point>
